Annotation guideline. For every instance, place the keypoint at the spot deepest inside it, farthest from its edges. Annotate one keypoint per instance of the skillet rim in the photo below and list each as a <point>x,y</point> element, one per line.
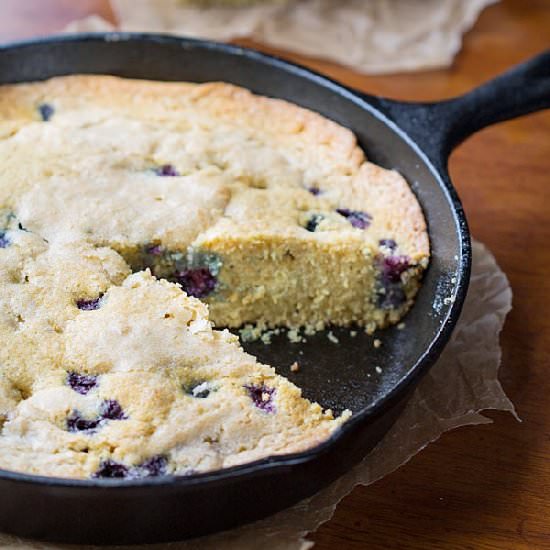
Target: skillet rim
<point>378,407</point>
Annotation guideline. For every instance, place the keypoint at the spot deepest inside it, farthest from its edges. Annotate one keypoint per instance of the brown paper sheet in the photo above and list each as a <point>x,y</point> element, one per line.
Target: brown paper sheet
<point>462,383</point>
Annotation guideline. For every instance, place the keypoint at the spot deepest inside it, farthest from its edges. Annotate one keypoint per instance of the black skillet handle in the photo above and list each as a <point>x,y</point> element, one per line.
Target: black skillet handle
<point>439,127</point>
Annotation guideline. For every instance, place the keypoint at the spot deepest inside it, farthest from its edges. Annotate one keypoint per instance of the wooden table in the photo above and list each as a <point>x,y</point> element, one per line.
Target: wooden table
<point>486,487</point>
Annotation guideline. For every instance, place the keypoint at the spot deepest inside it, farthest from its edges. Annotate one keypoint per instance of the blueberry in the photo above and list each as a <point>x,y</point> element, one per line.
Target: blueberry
<point>81,383</point>
<point>199,390</point>
<point>76,423</point>
<point>391,294</point>
<point>357,218</point>
<point>89,305</point>
<point>198,282</point>
<point>154,249</point>
<point>4,240</point>
<point>46,111</point>
<point>111,410</point>
<point>314,222</point>
<point>166,170</point>
<point>392,267</point>
<point>388,243</point>
<point>111,469</point>
<point>153,467</point>
<point>262,396</point>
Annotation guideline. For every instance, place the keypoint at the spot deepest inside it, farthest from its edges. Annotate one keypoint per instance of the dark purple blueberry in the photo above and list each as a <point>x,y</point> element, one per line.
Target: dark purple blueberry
<point>199,390</point>
<point>166,170</point>
<point>89,305</point>
<point>111,469</point>
<point>198,282</point>
<point>314,222</point>
<point>154,467</point>
<point>388,243</point>
<point>392,266</point>
<point>111,410</point>
<point>81,383</point>
<point>314,191</point>
<point>357,218</point>
<point>76,423</point>
<point>46,111</point>
<point>154,249</point>
<point>4,240</point>
<point>262,396</point>
<point>392,297</point>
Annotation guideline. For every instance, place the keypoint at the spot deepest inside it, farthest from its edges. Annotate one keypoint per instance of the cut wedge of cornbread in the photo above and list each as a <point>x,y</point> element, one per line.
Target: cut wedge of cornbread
<point>266,211</point>
<point>108,374</point>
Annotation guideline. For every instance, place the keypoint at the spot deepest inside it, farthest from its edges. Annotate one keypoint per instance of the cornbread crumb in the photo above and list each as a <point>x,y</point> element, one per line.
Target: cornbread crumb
<point>377,343</point>
<point>250,333</point>
<point>331,336</point>
<point>295,367</point>
<point>370,328</point>
<point>266,337</point>
<point>294,336</point>
<point>401,326</point>
<point>378,369</point>
<point>268,334</point>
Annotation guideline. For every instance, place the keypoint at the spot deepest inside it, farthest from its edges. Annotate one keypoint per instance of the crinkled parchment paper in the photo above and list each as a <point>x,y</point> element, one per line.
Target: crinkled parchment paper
<point>459,386</point>
<point>373,36</point>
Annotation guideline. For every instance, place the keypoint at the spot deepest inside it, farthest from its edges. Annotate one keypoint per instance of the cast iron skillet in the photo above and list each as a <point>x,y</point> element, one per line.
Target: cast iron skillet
<point>415,139</point>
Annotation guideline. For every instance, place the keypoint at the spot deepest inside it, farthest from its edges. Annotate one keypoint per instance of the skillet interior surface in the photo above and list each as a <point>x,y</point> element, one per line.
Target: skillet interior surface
<point>340,375</point>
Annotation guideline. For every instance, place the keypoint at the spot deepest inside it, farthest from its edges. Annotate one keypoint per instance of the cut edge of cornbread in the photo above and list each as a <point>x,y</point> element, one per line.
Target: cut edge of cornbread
<point>310,153</point>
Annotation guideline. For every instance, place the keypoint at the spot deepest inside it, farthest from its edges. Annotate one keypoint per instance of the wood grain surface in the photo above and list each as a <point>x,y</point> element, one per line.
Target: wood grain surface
<point>486,487</point>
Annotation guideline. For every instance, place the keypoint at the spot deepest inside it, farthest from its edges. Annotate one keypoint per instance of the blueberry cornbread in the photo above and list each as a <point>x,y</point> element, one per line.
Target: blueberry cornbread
<point>267,212</point>
<point>134,215</point>
<point>108,374</point>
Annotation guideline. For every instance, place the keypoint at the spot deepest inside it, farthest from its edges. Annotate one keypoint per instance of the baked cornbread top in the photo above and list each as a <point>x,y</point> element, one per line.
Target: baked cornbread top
<point>190,162</point>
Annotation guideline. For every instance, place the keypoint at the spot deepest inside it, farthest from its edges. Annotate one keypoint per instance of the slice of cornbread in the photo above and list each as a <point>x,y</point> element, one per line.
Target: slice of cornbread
<point>266,211</point>
<point>108,374</point>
